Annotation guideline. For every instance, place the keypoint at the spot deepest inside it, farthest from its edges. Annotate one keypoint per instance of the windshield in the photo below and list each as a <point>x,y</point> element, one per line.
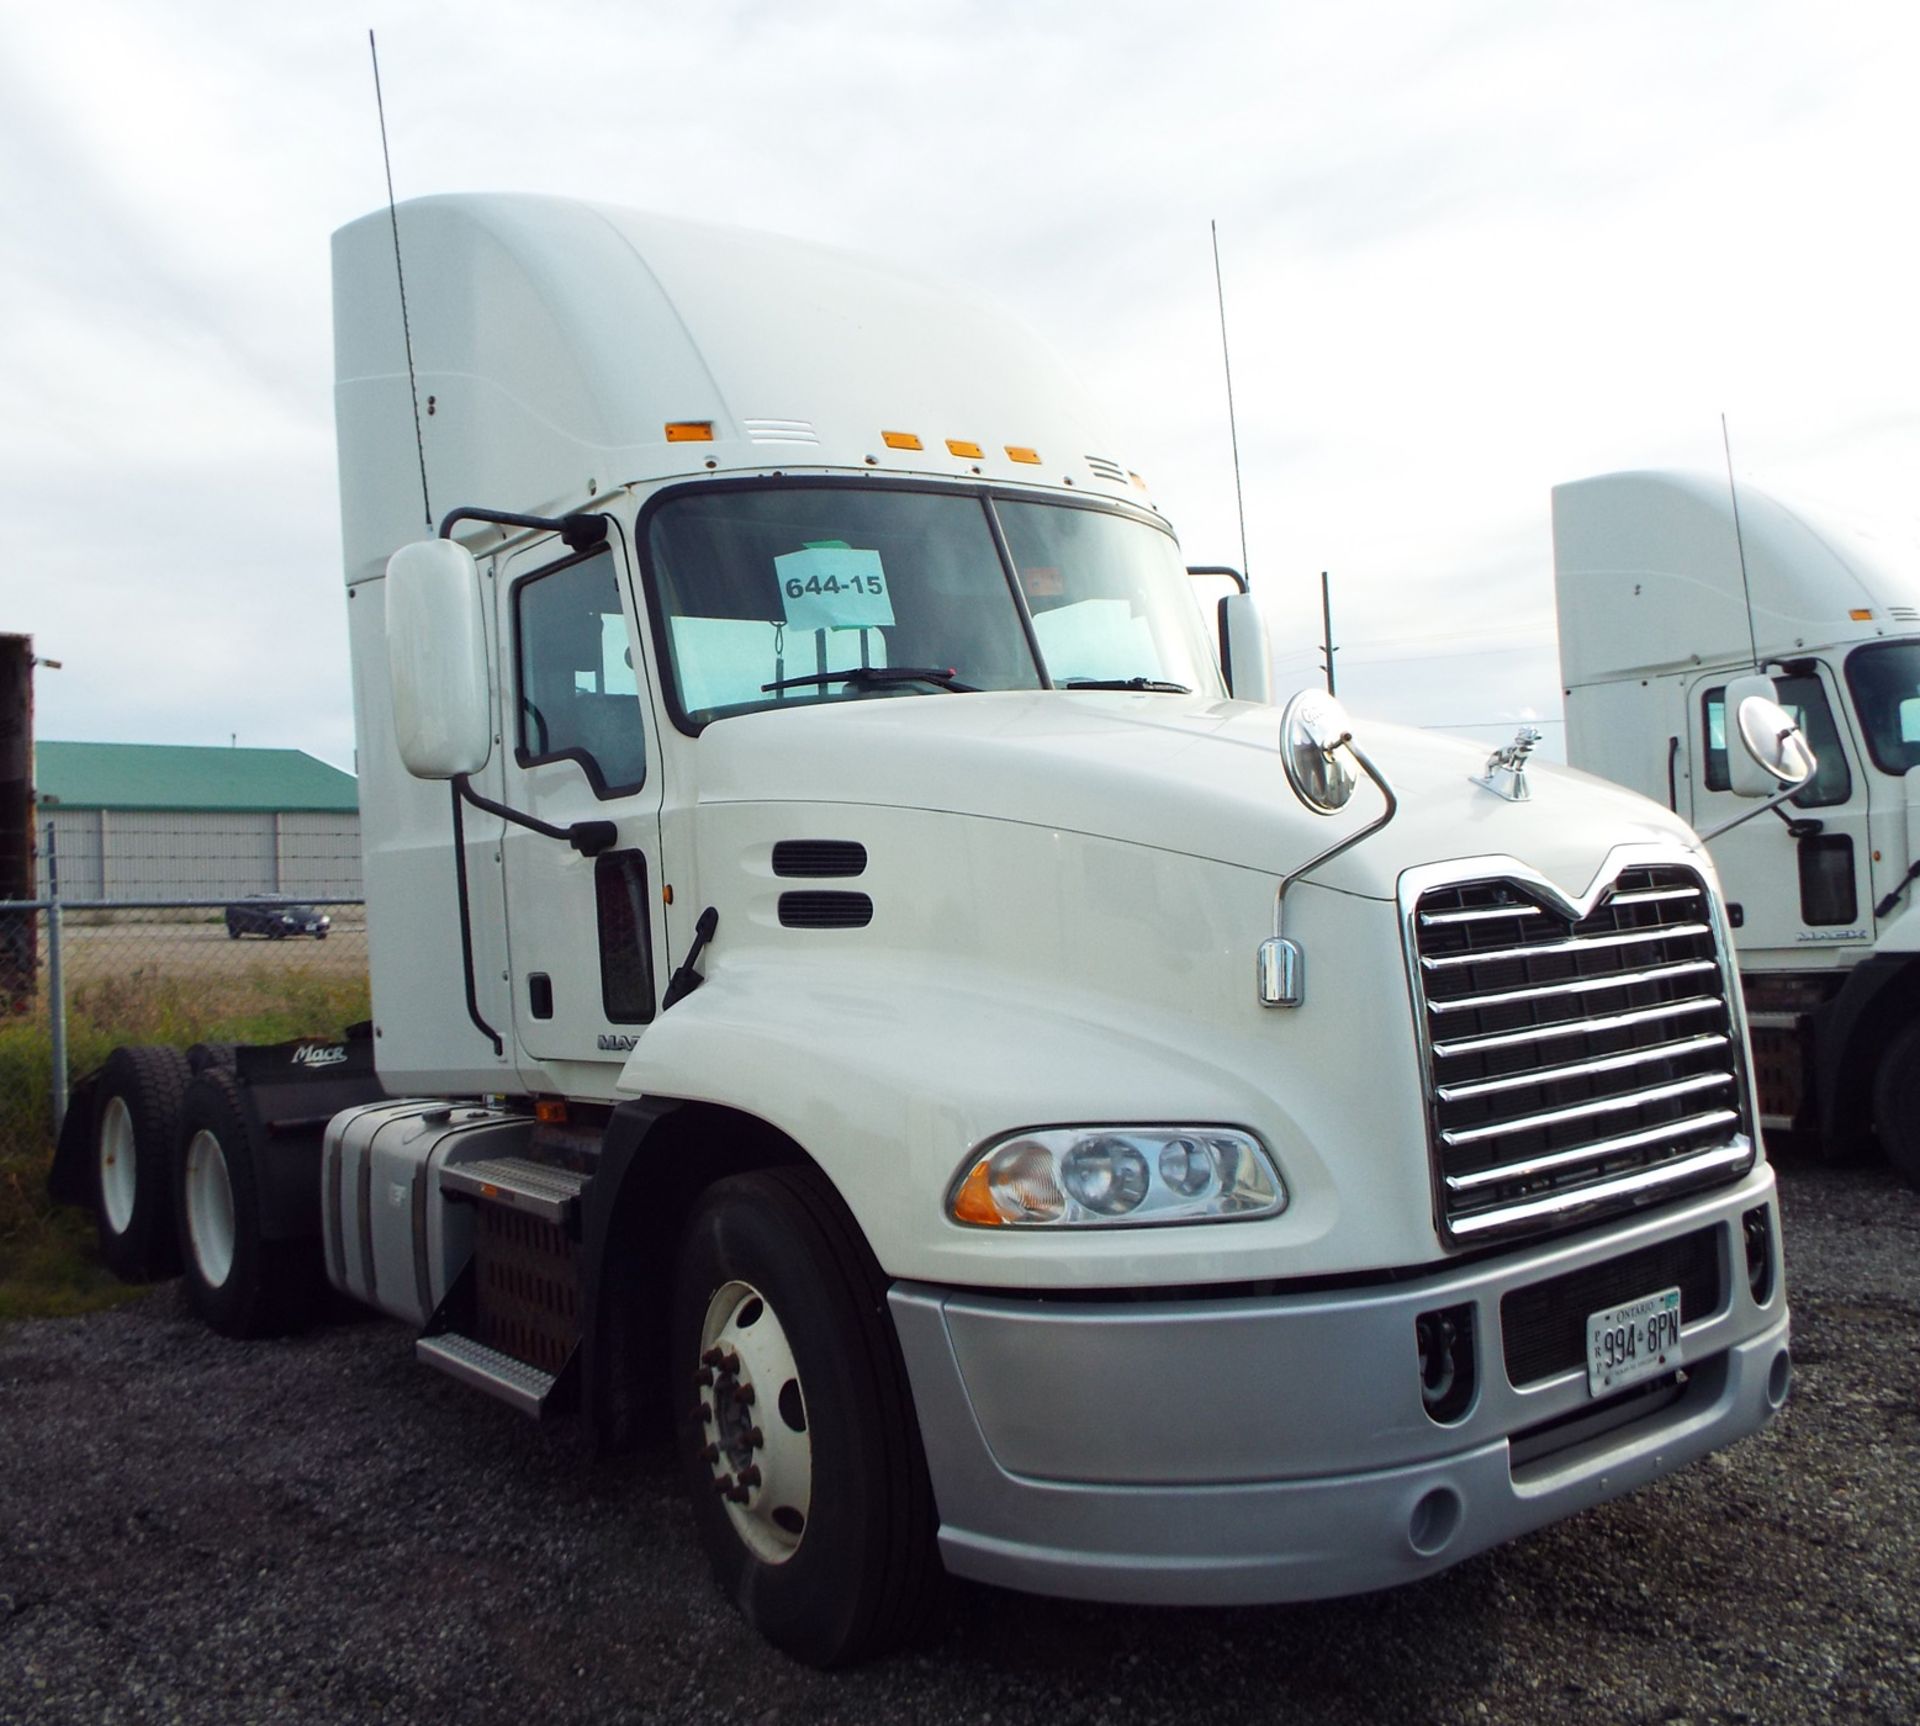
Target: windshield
<point>772,595</point>
<point>1885,680</point>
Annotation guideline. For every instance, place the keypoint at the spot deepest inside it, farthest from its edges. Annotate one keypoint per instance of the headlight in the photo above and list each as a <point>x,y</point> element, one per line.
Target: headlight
<point>1094,1177</point>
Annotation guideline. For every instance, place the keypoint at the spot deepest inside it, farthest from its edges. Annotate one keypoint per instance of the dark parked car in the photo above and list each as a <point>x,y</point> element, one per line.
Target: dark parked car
<point>268,914</point>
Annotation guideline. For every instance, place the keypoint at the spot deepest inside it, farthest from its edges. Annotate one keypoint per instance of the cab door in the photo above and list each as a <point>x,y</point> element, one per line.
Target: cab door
<point>1800,895</point>
<point>584,940</point>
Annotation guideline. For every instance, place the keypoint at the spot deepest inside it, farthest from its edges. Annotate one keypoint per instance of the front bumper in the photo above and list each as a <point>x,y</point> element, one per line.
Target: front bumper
<point>1272,1448</point>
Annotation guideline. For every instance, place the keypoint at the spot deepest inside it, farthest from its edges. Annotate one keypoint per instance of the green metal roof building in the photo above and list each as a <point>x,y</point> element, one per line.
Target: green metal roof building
<point>174,821</point>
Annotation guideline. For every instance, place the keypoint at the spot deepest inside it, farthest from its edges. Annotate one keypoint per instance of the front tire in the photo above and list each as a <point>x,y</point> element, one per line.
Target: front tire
<point>809,1483</point>
<point>1896,1102</point>
<point>135,1125</point>
<point>239,1282</point>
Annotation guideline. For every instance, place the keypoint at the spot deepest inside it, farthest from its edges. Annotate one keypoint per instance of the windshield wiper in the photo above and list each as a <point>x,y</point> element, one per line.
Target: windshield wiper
<point>876,676</point>
<point>1152,683</point>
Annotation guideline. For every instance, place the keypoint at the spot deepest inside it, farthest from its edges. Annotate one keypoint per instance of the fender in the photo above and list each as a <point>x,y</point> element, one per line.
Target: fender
<point>887,1079</point>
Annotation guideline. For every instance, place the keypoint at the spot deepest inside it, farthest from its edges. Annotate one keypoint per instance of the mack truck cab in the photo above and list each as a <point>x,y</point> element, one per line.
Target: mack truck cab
<point>1677,594</point>
<point>852,982</point>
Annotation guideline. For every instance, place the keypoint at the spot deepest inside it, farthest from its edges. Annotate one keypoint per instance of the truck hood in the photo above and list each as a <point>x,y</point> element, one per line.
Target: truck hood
<point>1186,774</point>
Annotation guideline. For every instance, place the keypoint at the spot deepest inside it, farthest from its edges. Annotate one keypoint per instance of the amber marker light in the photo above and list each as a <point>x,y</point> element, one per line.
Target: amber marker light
<point>1020,452</point>
<point>974,1202</point>
<point>689,431</point>
<point>961,447</point>
<point>901,440</point>
<point>552,1111</point>
<point>1861,615</point>
<point>1138,483</point>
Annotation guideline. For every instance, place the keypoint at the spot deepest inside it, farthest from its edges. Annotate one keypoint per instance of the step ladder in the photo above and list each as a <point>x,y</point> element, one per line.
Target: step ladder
<point>510,1324</point>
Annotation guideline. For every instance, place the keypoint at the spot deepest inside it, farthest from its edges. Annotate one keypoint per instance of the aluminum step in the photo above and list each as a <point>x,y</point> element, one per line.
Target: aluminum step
<point>539,1189</point>
<point>499,1375</point>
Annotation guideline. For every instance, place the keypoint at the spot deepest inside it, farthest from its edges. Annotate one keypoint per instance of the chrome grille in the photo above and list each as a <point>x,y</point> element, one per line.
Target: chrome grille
<point>1575,1066</point>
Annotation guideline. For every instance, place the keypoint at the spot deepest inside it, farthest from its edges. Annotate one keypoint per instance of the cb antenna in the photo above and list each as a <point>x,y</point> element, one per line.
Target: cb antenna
<point>1226,361</point>
<point>1733,491</point>
<point>406,330</point>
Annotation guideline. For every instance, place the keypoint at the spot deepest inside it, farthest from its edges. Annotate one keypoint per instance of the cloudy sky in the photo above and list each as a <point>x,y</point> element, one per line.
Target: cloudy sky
<point>1470,251</point>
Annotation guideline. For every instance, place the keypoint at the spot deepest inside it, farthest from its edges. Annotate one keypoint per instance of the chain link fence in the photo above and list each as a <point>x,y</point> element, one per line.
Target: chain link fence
<point>79,976</point>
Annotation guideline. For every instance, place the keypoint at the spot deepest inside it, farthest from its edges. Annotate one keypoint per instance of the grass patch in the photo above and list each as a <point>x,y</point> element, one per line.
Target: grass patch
<point>48,1265</point>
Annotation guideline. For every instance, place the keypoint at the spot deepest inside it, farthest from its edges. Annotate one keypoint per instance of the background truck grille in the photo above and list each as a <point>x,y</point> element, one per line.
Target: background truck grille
<point>1575,1067</point>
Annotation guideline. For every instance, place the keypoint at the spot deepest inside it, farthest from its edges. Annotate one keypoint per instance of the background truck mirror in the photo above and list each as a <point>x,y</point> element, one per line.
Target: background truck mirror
<point>1246,657</point>
<point>1747,775</point>
<point>437,658</point>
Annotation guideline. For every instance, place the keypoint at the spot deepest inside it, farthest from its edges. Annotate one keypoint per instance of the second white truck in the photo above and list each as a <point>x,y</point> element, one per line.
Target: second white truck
<point>1674,591</point>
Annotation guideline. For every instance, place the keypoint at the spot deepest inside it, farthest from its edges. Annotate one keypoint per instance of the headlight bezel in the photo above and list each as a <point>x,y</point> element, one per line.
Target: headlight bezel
<point>1244,1183</point>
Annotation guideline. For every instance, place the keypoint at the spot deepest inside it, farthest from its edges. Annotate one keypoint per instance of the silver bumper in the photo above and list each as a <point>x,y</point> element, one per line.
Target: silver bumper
<point>1276,1448</point>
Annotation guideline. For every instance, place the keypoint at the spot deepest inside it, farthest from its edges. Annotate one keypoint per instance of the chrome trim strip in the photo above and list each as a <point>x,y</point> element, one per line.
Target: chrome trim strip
<point>1434,919</point>
<point>1653,895</point>
<point>1576,944</point>
<point>1642,1186</point>
<point>1575,1027</point>
<point>1581,986</point>
<point>1587,1111</point>
<point>1595,1150</point>
<point>1581,1069</point>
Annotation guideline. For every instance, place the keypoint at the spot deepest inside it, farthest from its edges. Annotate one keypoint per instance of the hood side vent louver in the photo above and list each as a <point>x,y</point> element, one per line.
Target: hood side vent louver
<point>1104,469</point>
<point>815,859</point>
<point>825,910</point>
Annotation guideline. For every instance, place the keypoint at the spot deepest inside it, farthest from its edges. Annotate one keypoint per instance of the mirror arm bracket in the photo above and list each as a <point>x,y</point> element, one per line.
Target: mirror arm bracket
<point>1748,814</point>
<point>1280,962</point>
<point>580,530</point>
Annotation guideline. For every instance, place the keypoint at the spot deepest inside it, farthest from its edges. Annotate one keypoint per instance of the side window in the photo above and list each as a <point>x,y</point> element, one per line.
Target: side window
<point>1805,697</point>
<point>1713,724</point>
<point>578,696</point>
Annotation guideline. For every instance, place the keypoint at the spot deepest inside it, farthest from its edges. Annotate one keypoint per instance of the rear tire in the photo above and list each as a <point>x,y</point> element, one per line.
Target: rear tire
<point>135,1126</point>
<point>1896,1102</point>
<point>826,1542</point>
<point>240,1283</point>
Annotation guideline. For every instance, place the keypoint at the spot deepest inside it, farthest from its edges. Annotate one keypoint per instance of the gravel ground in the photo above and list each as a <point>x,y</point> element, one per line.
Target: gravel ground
<point>317,1530</point>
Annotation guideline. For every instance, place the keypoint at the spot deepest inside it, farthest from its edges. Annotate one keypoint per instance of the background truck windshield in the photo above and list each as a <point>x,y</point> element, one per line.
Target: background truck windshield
<point>758,585</point>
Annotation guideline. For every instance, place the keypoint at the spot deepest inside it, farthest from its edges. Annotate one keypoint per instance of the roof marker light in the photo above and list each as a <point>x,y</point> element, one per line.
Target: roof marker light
<point>1020,452</point>
<point>963,447</point>
<point>1860,614</point>
<point>689,431</point>
<point>901,440</point>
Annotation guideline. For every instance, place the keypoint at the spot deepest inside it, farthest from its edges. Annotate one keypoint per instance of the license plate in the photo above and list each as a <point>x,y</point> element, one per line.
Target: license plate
<point>1628,1343</point>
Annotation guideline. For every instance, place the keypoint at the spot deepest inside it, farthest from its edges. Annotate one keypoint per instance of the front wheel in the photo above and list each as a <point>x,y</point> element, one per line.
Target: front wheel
<point>1896,1102</point>
<point>803,1455</point>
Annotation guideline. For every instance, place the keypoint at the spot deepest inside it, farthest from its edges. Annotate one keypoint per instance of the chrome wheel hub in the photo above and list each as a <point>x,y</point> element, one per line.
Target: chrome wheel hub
<point>753,1418</point>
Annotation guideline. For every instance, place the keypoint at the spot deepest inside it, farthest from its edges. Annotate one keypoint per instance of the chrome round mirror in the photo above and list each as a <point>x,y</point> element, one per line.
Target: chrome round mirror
<point>1312,730</point>
<point>1772,736</point>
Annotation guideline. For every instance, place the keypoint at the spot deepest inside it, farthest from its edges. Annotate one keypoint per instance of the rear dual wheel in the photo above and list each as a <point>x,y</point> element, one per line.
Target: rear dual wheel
<point>802,1452</point>
<point>240,1282</point>
<point>135,1126</point>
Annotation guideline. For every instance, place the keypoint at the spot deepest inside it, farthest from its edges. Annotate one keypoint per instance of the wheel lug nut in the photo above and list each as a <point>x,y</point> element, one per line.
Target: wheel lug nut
<point>704,1377</point>
<point>753,1438</point>
<point>743,1393</point>
<point>723,1484</point>
<point>710,1455</point>
<point>750,1475</point>
<point>703,1412</point>
<point>713,1357</point>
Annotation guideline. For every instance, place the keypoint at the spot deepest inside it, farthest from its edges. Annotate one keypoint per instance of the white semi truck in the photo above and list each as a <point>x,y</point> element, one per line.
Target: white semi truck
<point>850,979</point>
<point>1676,591</point>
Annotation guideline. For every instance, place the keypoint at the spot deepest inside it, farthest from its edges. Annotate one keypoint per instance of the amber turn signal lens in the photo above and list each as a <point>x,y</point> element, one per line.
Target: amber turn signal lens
<point>1020,452</point>
<point>974,1203</point>
<point>689,431</point>
<point>901,440</point>
<point>960,446</point>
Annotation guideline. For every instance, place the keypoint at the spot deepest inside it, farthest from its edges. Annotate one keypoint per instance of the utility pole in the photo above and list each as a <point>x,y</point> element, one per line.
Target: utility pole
<point>1326,627</point>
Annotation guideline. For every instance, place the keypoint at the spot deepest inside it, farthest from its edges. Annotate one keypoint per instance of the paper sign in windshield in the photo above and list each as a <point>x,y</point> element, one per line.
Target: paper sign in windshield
<point>834,587</point>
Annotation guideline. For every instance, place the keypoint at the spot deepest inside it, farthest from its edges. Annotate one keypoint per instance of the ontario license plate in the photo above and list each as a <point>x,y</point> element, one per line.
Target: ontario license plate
<point>1628,1343</point>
